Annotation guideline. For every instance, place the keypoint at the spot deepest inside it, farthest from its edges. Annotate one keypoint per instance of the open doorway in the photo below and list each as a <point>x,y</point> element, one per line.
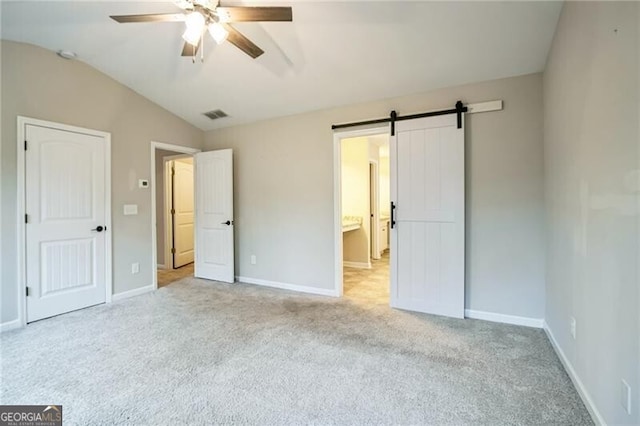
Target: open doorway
<point>173,205</point>
<point>175,219</point>
<point>362,216</point>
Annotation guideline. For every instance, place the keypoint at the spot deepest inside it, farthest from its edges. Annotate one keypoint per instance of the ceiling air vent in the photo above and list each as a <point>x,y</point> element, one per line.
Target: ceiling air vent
<point>215,114</point>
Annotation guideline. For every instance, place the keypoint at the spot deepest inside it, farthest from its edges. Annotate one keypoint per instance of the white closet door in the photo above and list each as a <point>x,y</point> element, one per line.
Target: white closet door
<point>214,215</point>
<point>65,233</point>
<point>428,238</point>
<point>182,212</point>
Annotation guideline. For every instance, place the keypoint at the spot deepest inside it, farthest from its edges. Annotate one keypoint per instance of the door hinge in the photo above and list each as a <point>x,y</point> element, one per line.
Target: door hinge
<point>173,211</point>
<point>26,218</point>
<point>173,171</point>
<point>27,292</point>
<point>25,145</point>
<point>173,251</point>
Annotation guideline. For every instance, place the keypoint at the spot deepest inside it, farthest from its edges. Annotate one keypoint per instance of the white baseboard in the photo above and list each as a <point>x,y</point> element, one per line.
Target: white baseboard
<point>285,286</point>
<point>582,391</point>
<point>131,293</point>
<point>161,266</point>
<point>10,325</point>
<point>359,265</point>
<point>506,319</point>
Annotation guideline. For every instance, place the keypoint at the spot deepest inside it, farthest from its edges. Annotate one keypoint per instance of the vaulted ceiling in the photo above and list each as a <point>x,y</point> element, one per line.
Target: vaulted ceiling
<point>333,53</point>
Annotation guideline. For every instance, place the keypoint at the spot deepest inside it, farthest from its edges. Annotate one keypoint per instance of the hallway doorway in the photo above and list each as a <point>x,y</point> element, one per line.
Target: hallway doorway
<point>172,207</point>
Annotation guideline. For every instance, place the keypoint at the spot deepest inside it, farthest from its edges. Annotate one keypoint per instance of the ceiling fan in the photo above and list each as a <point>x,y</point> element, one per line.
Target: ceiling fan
<point>202,15</point>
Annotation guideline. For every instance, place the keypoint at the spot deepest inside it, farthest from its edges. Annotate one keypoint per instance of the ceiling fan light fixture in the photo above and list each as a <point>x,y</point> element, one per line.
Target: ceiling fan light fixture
<point>191,37</point>
<point>218,32</point>
<point>195,25</point>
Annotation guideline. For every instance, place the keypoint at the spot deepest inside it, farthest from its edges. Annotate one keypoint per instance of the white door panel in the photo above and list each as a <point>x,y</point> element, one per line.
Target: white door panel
<point>427,255</point>
<point>183,213</point>
<point>214,257</point>
<point>65,202</point>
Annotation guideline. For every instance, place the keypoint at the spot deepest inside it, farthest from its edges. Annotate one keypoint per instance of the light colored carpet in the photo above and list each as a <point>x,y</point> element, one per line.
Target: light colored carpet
<point>199,352</point>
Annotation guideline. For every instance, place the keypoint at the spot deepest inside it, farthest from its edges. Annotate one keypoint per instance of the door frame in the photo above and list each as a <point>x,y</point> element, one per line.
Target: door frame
<point>374,210</point>
<point>21,253</point>
<point>179,149</point>
<point>338,136</point>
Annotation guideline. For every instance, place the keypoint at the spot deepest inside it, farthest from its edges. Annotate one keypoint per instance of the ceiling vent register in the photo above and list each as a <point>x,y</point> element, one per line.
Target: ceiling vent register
<point>215,114</point>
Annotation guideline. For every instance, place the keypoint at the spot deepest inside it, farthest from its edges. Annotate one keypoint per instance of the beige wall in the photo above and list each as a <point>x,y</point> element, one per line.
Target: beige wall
<point>355,197</point>
<point>284,193</point>
<point>36,83</point>
<point>591,110</point>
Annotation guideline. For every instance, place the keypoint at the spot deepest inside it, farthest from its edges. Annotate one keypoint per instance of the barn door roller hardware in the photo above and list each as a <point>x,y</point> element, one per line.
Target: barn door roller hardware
<point>393,117</point>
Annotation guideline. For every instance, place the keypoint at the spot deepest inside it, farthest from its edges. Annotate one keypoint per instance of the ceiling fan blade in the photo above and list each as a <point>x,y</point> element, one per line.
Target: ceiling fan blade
<point>159,17</point>
<point>241,42</point>
<point>190,50</point>
<point>253,14</point>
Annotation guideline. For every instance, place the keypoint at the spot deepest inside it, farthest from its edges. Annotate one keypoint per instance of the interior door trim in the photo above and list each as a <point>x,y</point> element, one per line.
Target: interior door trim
<point>338,288</point>
<point>180,149</point>
<point>21,228</point>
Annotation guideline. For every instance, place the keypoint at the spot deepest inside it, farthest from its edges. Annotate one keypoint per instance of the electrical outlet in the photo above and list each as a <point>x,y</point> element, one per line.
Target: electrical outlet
<point>135,268</point>
<point>253,259</point>
<point>625,396</point>
<point>573,328</point>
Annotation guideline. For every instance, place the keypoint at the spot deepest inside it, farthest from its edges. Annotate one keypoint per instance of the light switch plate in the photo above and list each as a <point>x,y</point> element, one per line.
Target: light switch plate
<point>130,209</point>
<point>143,183</point>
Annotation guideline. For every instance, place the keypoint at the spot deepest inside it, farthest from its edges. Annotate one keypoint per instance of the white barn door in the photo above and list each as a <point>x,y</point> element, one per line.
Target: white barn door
<point>66,232</point>
<point>214,257</point>
<point>428,237</point>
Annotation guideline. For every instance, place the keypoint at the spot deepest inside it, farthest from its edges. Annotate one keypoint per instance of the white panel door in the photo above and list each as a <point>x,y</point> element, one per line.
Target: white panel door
<point>182,212</point>
<point>214,215</point>
<point>428,242</point>
<point>65,204</point>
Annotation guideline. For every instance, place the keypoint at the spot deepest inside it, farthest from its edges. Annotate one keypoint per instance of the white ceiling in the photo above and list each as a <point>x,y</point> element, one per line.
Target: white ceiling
<point>333,54</point>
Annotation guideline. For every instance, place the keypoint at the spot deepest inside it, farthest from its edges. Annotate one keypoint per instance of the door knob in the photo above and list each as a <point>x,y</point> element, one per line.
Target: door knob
<point>229,222</point>
<point>99,228</point>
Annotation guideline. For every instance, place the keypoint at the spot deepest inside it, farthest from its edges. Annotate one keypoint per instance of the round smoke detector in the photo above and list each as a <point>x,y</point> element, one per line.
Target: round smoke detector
<point>67,54</point>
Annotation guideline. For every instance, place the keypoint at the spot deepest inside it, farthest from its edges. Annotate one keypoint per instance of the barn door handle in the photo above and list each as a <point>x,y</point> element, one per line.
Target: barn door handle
<point>99,228</point>
<point>393,221</point>
<point>229,222</point>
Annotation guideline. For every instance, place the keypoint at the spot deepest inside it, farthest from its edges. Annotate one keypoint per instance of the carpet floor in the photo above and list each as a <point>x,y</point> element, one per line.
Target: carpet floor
<point>199,352</point>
